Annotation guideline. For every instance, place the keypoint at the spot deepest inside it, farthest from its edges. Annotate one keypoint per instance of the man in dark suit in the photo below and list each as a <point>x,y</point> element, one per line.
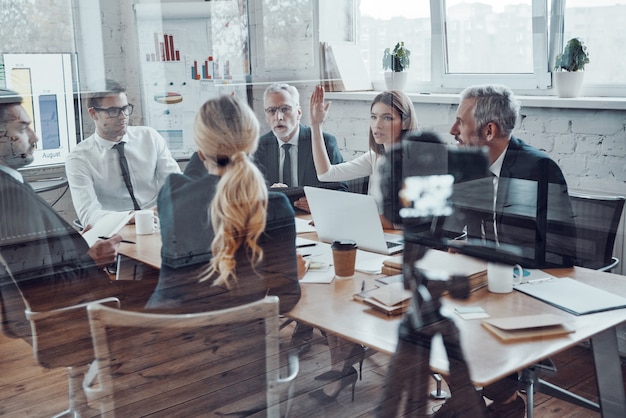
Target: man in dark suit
<point>41,253</point>
<point>290,140</point>
<point>525,182</point>
<point>285,158</point>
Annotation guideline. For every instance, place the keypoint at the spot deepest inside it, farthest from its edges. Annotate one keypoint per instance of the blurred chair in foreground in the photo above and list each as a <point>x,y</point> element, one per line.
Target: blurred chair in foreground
<point>216,363</point>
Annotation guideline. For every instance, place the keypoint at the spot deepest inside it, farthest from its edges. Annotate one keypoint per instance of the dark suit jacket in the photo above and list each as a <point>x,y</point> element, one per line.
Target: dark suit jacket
<point>531,186</point>
<point>46,256</point>
<point>187,235</point>
<point>267,158</point>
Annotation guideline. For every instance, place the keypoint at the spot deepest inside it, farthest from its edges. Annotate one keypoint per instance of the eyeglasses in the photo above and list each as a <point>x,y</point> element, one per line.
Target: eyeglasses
<point>285,110</point>
<point>114,112</point>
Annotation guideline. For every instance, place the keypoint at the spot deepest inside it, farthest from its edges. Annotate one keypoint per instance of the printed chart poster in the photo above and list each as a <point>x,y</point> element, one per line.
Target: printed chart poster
<point>181,66</point>
<point>45,83</point>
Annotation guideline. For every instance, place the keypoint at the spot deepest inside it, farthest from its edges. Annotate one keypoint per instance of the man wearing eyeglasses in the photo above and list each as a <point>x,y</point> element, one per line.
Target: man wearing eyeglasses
<point>119,167</point>
<point>290,141</point>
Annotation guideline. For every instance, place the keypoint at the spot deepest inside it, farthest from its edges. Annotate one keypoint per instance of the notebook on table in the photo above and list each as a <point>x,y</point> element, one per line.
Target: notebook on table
<point>572,296</point>
<point>343,215</point>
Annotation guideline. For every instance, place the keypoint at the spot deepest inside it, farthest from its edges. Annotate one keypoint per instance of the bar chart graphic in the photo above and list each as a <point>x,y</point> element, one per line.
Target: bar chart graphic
<point>164,49</point>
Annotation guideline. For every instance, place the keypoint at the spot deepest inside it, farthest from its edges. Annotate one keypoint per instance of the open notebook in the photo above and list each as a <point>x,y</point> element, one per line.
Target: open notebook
<point>573,296</point>
<point>109,224</point>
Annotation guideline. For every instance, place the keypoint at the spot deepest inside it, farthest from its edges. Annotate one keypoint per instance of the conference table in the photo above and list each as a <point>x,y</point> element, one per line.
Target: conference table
<point>330,307</point>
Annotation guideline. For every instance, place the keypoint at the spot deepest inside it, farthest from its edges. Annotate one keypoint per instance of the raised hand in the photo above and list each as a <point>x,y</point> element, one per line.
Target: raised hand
<point>318,108</point>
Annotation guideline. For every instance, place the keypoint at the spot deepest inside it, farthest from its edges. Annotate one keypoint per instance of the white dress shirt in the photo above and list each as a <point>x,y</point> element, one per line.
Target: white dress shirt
<point>13,173</point>
<point>368,164</point>
<point>95,178</point>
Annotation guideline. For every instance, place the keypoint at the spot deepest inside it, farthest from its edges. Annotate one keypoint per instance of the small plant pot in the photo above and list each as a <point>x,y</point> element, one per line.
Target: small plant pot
<point>568,84</point>
<point>395,80</point>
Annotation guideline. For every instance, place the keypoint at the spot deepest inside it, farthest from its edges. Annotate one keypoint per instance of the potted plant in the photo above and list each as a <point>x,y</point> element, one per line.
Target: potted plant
<point>569,68</point>
<point>396,62</point>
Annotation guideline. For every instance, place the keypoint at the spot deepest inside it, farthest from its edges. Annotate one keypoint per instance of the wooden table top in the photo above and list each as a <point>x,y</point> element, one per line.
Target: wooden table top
<point>146,248</point>
<point>330,307</point>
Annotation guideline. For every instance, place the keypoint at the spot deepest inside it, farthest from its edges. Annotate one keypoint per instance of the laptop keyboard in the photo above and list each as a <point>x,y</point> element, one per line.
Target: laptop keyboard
<point>392,244</point>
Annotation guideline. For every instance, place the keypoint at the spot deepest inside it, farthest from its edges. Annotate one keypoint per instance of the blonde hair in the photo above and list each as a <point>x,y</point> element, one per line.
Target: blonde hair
<point>227,132</point>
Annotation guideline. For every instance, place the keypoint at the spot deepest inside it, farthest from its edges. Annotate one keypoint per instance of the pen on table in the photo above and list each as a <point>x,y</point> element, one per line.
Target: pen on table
<point>363,286</point>
<point>124,240</point>
<point>306,245</point>
<point>535,281</point>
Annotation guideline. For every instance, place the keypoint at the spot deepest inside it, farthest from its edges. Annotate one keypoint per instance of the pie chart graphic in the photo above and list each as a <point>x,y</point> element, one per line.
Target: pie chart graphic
<point>168,98</point>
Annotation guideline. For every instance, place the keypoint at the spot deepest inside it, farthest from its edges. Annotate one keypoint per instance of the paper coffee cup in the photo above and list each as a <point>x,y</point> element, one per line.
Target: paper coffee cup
<point>344,258</point>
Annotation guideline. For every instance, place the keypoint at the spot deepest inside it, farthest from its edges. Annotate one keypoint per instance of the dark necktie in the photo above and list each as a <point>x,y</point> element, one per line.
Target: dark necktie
<point>489,227</point>
<point>125,173</point>
<point>287,165</point>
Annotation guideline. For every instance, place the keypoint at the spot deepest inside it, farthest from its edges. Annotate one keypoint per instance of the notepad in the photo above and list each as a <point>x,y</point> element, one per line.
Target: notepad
<point>110,224</point>
<point>525,327</point>
<point>573,296</point>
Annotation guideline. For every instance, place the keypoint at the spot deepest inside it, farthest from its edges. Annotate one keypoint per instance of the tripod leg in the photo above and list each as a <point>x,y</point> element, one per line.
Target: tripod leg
<point>463,392</point>
<point>406,383</point>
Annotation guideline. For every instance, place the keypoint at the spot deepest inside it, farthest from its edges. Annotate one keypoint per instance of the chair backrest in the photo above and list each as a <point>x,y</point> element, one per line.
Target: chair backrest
<point>358,185</point>
<point>597,220</point>
<point>62,337</point>
<point>208,364</point>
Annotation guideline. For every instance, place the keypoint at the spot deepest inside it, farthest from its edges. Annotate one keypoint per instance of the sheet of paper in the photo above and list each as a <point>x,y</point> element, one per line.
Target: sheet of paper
<point>321,252</point>
<point>302,226</point>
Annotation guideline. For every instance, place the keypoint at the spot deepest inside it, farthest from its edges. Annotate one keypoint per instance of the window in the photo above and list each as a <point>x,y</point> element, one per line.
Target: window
<point>486,37</point>
<point>283,40</point>
<point>455,43</point>
<point>600,24</point>
<point>382,24</point>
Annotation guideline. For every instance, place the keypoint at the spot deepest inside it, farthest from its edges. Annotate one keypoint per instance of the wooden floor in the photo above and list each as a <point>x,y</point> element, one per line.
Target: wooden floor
<point>27,390</point>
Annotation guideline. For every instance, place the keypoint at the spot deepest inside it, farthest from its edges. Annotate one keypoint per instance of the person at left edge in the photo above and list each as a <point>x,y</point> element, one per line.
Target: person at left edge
<point>93,168</point>
<point>42,254</point>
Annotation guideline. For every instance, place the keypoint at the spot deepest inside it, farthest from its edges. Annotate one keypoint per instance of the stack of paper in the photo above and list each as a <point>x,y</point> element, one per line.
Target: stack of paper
<point>391,299</point>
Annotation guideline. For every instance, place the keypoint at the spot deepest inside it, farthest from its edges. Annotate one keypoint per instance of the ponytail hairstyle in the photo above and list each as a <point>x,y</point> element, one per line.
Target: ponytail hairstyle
<point>401,103</point>
<point>227,132</point>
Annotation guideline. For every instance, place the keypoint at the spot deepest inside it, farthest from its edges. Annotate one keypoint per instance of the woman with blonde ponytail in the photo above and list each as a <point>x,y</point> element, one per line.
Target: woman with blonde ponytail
<point>226,239</point>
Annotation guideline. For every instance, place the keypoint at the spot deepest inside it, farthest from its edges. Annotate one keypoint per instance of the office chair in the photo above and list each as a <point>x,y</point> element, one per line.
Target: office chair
<point>224,362</point>
<point>59,337</point>
<point>597,220</point>
<point>358,185</point>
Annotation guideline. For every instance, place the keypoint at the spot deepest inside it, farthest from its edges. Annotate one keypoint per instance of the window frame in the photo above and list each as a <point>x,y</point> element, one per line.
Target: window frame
<point>536,83</point>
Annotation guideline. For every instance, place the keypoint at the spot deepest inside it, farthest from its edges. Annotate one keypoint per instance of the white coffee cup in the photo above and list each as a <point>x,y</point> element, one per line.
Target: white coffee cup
<point>501,277</point>
<point>146,222</point>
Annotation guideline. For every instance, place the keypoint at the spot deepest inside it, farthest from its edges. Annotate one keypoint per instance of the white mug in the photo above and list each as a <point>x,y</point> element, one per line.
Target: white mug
<point>501,277</point>
<point>146,222</point>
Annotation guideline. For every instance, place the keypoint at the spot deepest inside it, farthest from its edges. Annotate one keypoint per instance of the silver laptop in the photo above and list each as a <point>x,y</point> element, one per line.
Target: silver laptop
<point>344,215</point>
